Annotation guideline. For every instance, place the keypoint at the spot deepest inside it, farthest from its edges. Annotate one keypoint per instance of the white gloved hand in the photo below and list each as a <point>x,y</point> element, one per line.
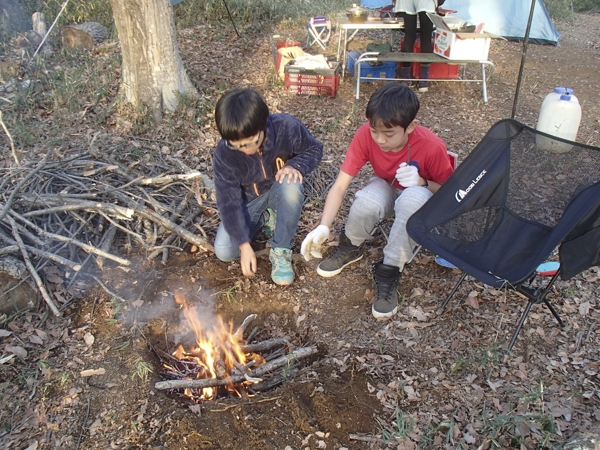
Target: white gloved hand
<point>407,175</point>
<point>311,245</point>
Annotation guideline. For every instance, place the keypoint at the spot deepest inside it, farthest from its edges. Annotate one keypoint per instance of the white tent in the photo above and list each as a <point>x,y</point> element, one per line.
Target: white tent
<point>508,18</point>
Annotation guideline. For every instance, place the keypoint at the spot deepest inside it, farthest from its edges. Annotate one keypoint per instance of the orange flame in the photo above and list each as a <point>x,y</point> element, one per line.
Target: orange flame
<point>217,351</point>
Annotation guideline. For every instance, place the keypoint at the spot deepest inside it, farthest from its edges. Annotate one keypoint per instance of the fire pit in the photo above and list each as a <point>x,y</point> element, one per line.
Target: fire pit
<point>221,363</point>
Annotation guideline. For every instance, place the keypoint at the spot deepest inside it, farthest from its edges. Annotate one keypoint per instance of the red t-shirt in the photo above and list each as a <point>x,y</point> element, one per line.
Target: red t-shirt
<point>428,150</point>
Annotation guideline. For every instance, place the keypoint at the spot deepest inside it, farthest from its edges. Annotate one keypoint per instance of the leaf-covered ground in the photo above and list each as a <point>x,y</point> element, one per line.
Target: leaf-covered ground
<point>419,380</point>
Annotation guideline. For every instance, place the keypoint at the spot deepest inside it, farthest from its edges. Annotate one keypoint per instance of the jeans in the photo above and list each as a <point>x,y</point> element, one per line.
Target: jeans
<point>377,201</point>
<point>286,200</point>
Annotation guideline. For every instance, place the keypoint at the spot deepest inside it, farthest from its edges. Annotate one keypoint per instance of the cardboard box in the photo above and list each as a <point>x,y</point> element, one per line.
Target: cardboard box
<point>456,45</point>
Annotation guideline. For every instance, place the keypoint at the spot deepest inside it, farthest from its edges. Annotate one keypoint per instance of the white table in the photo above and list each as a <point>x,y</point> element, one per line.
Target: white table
<point>344,25</point>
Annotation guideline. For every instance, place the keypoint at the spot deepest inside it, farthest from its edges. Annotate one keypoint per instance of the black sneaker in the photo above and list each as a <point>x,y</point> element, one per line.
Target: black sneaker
<point>386,290</point>
<point>345,254</point>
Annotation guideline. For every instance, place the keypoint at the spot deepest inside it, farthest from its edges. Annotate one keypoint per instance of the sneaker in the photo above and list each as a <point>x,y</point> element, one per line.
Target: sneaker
<point>345,254</point>
<point>282,271</point>
<point>423,86</point>
<point>269,226</point>
<point>386,290</point>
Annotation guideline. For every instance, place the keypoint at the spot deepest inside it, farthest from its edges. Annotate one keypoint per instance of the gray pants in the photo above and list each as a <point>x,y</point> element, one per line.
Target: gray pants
<point>377,201</point>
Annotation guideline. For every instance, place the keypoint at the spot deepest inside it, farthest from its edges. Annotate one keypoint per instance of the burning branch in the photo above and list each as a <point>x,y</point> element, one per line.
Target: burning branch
<point>300,353</point>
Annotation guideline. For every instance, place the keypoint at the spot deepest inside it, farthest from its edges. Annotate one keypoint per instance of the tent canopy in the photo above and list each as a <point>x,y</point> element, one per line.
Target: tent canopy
<point>508,18</point>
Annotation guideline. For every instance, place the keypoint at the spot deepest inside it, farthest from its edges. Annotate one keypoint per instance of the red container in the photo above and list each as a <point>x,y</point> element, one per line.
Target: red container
<point>436,70</point>
<point>312,82</point>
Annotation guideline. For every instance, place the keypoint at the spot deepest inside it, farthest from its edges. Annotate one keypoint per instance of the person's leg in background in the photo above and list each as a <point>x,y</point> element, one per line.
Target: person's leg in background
<point>410,35</point>
<point>426,30</point>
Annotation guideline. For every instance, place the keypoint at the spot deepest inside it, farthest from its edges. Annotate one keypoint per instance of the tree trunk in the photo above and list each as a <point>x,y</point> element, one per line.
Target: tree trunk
<point>153,73</point>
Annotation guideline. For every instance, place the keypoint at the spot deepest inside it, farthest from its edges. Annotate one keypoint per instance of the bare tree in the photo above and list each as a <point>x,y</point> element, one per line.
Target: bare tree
<point>153,73</point>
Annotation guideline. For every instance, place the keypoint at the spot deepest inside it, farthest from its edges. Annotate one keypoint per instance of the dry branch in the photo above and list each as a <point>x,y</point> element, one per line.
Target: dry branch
<point>300,353</point>
<point>10,139</point>
<point>265,345</point>
<point>239,333</point>
<point>31,269</point>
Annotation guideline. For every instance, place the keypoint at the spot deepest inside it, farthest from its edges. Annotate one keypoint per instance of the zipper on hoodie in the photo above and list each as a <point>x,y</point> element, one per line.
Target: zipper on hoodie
<point>262,166</point>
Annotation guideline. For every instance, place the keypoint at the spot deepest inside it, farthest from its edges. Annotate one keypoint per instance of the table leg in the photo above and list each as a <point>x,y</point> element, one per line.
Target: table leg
<point>339,46</point>
<point>344,51</point>
<point>483,83</point>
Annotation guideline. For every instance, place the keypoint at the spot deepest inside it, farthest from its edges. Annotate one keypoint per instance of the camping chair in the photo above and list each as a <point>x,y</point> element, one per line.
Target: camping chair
<point>518,196</point>
<point>319,31</point>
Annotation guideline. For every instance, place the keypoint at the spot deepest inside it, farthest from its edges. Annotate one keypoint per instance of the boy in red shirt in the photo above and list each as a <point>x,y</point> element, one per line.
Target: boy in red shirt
<point>409,164</point>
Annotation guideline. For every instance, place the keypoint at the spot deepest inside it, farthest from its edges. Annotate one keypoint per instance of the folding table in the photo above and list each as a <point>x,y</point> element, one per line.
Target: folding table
<point>344,25</point>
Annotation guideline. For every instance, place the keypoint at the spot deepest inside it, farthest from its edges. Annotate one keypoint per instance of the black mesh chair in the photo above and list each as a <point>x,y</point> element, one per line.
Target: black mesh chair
<point>518,196</point>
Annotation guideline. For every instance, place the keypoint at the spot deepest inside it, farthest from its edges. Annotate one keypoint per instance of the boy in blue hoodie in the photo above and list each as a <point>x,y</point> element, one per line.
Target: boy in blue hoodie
<point>259,167</point>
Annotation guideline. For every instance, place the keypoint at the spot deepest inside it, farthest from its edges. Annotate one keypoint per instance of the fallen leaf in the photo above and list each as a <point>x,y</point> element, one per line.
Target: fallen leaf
<point>495,385</point>
<point>469,439</point>
<point>4,333</point>
<point>584,308</point>
<point>137,303</point>
<point>472,300</point>
<point>17,350</point>
<point>89,338</point>
<point>95,427</point>
<point>35,339</point>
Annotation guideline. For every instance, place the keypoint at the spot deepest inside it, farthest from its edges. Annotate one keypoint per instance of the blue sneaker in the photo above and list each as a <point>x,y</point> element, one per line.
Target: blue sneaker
<point>269,226</point>
<point>282,271</point>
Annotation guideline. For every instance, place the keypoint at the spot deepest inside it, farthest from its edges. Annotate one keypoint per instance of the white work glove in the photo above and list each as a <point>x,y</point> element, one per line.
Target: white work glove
<point>311,245</point>
<point>407,175</point>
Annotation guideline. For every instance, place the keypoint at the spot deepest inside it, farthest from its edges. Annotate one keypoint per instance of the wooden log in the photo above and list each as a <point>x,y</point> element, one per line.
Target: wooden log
<point>84,35</point>
<point>261,370</point>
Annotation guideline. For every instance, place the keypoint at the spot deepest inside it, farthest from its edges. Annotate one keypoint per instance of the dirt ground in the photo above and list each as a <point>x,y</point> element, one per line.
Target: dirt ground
<point>419,380</point>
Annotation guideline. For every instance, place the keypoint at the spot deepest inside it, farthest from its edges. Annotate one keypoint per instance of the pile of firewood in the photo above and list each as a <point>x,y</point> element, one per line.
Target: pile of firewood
<point>88,208</point>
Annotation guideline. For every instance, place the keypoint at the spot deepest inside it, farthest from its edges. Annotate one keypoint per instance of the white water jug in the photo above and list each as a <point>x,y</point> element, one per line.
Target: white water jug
<point>559,116</point>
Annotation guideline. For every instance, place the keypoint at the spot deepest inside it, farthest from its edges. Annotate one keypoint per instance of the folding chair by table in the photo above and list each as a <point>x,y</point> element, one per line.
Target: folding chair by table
<point>319,31</point>
<point>518,196</point>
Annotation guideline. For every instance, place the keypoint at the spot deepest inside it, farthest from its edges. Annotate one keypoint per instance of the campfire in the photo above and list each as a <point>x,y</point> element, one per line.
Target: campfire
<point>222,363</point>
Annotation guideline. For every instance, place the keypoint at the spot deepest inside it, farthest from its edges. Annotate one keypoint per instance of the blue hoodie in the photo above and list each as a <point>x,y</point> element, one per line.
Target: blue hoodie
<point>240,178</point>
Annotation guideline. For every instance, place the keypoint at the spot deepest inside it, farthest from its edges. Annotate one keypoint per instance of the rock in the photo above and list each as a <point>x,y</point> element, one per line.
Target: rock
<point>17,291</point>
<point>84,35</point>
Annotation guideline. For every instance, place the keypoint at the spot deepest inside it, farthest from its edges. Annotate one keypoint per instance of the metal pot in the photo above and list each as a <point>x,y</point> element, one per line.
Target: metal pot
<point>357,14</point>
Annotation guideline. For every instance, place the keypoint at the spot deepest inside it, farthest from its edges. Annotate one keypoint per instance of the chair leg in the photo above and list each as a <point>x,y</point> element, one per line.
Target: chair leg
<point>519,325</point>
<point>554,313</point>
<point>443,306</point>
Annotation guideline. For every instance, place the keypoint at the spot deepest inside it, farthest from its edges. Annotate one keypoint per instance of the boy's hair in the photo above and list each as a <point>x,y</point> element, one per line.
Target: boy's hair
<point>240,114</point>
<point>393,104</point>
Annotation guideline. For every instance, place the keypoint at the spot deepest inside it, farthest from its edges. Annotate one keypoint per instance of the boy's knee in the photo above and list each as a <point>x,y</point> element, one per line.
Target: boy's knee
<point>291,192</point>
<point>367,207</point>
<point>412,198</point>
<point>225,252</point>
